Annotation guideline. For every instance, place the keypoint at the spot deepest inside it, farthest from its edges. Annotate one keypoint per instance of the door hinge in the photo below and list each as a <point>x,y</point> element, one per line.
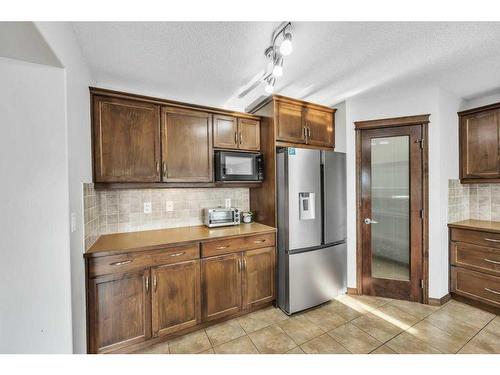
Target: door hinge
<point>421,284</point>
<point>421,213</point>
<point>421,141</point>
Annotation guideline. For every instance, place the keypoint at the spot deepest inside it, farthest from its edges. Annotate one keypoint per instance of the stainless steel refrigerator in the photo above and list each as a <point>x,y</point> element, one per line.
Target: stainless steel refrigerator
<point>312,251</point>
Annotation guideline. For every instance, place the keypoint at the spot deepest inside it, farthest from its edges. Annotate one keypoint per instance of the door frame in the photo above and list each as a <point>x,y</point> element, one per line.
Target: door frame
<point>359,126</point>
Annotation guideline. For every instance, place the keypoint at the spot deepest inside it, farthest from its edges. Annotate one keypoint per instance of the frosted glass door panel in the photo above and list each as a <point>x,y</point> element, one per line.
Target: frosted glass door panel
<point>390,229</point>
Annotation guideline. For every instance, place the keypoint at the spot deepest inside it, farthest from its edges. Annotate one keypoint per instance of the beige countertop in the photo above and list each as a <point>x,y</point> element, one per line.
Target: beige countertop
<point>146,240</point>
<point>484,225</point>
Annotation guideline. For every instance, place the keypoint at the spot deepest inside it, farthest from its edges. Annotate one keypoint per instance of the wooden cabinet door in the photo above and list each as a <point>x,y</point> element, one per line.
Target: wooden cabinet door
<point>249,134</point>
<point>186,145</point>
<point>258,276</point>
<point>221,286</point>
<point>225,132</point>
<point>119,311</point>
<point>290,127</point>
<point>319,126</point>
<point>480,145</point>
<point>176,297</point>
<point>126,140</point>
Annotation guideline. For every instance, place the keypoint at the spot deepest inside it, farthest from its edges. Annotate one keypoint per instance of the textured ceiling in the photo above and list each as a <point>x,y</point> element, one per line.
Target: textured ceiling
<point>211,63</point>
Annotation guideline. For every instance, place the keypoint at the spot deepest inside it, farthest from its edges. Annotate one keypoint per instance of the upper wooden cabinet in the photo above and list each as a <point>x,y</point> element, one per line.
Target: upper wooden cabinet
<point>304,123</point>
<point>480,144</point>
<point>186,140</point>
<point>149,142</point>
<point>126,143</point>
<point>236,133</point>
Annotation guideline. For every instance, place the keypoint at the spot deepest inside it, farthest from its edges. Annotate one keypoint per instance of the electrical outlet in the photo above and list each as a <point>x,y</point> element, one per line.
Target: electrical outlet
<point>147,207</point>
<point>73,222</point>
<point>170,206</point>
<point>228,202</point>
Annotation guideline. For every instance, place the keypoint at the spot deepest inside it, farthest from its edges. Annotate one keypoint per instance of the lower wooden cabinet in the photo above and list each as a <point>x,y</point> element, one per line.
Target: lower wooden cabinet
<point>175,297</point>
<point>221,286</point>
<point>119,311</point>
<point>258,276</point>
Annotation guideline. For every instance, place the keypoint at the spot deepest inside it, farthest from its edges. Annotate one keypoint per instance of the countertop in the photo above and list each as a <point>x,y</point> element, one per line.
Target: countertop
<point>146,240</point>
<point>484,225</point>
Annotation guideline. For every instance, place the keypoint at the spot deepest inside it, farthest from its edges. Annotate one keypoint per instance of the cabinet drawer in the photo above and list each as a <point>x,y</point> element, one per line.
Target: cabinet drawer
<point>476,237</point>
<point>224,246</point>
<point>476,285</point>
<point>479,258</point>
<point>121,263</point>
<point>175,255</point>
<point>232,245</point>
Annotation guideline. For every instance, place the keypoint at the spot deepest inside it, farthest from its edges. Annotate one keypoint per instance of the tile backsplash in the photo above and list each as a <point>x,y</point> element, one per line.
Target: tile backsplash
<point>473,201</point>
<point>113,211</point>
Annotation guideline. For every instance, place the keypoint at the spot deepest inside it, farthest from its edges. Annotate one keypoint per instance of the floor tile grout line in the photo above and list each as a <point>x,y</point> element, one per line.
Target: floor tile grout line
<point>478,332</point>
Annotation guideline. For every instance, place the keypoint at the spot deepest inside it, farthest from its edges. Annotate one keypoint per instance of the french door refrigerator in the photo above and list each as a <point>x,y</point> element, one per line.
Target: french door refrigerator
<point>312,251</point>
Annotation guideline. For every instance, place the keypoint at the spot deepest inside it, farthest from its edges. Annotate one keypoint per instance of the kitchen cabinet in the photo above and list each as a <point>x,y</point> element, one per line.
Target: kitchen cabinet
<point>290,127</point>
<point>187,154</point>
<point>221,286</point>
<point>119,310</point>
<point>479,133</point>
<point>126,140</point>
<point>319,127</point>
<point>258,276</point>
<point>175,297</point>
<point>236,133</point>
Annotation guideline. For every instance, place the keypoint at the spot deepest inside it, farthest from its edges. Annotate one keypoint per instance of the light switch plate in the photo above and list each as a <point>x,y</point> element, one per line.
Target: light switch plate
<point>147,207</point>
<point>170,206</point>
<point>228,202</point>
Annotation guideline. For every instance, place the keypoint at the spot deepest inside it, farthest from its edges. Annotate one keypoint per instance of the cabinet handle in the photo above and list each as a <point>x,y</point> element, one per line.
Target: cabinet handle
<point>241,138</point>
<point>154,282</point>
<point>491,261</point>
<point>177,254</point>
<point>491,240</point>
<point>259,241</point>
<point>157,166</point>
<point>308,132</point>
<point>164,165</point>
<point>236,137</point>
<point>222,247</point>
<point>304,131</point>
<point>492,291</point>
<point>120,263</point>
<point>147,284</point>
<point>239,265</point>
<point>245,263</point>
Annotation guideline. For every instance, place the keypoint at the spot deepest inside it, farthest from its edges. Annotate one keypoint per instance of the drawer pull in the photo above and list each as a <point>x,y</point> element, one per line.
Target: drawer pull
<point>491,261</point>
<point>120,263</point>
<point>259,241</point>
<point>491,240</point>
<point>177,254</point>
<point>223,247</point>
<point>492,291</point>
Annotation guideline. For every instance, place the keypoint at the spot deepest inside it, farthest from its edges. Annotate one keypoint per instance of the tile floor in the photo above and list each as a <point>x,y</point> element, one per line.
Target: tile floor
<point>348,324</point>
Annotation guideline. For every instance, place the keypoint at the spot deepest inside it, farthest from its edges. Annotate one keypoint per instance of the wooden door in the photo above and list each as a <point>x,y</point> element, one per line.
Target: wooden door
<point>226,132</point>
<point>186,145</point>
<point>126,140</point>
<point>258,276</point>
<point>479,136</point>
<point>391,216</point>
<point>119,311</point>
<point>221,286</point>
<point>249,134</point>
<point>290,127</point>
<point>176,297</point>
<point>319,125</point>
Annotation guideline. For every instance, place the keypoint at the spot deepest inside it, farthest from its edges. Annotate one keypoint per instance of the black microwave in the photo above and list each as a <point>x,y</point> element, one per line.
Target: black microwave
<point>238,166</point>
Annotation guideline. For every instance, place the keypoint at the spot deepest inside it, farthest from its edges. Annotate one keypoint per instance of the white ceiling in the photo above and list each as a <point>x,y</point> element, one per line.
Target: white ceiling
<point>211,63</point>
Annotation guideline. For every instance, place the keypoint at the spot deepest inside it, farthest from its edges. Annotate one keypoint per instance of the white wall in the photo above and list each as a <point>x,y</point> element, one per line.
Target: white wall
<point>35,308</point>
<point>340,127</point>
<point>480,101</point>
<point>406,100</point>
<point>61,38</point>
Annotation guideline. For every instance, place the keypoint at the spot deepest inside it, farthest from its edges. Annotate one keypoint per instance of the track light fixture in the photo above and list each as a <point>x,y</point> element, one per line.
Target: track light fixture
<point>281,45</point>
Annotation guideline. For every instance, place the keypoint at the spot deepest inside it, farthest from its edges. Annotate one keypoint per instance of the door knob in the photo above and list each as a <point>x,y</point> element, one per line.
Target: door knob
<point>370,221</point>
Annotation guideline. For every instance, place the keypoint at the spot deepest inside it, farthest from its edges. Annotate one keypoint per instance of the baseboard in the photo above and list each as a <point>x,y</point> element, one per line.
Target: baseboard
<point>439,301</point>
<point>352,291</point>
<point>480,305</point>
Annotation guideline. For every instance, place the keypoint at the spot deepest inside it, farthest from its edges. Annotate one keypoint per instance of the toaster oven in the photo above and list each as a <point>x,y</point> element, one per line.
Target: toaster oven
<point>221,217</point>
